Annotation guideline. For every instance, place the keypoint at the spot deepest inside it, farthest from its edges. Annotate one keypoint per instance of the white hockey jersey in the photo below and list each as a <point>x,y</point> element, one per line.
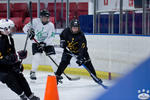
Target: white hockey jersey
<point>43,33</point>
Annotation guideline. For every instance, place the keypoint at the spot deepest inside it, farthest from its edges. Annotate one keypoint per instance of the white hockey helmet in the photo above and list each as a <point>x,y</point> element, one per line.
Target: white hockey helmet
<point>6,26</point>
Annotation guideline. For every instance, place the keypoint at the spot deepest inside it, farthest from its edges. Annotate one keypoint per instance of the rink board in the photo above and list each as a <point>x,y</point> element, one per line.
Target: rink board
<point>75,71</point>
<point>108,53</point>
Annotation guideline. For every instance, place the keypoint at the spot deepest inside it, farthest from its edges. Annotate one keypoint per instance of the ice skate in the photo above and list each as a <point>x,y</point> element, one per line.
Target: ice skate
<point>23,97</point>
<point>59,79</point>
<point>32,75</point>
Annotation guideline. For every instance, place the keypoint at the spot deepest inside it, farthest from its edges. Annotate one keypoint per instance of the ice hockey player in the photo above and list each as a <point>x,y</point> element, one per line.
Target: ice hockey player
<point>43,31</point>
<point>72,39</point>
<point>10,64</point>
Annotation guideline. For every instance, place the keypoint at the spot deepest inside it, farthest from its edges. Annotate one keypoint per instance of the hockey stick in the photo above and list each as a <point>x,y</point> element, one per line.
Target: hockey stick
<point>92,75</point>
<point>27,37</point>
<point>95,78</point>
<point>69,78</point>
<point>30,11</point>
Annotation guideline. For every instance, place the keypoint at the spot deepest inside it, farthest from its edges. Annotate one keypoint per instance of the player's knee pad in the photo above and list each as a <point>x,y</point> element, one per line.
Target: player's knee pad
<point>61,68</point>
<point>63,65</point>
<point>65,60</point>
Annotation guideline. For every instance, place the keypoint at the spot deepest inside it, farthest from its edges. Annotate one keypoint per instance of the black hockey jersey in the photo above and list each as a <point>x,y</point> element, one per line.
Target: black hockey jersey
<point>76,43</point>
<point>6,48</point>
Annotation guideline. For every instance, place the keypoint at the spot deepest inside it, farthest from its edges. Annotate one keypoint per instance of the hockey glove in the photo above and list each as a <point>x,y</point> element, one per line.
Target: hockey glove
<point>80,60</point>
<point>63,44</point>
<point>49,50</point>
<point>41,46</point>
<point>31,33</point>
<point>22,54</point>
<point>12,58</point>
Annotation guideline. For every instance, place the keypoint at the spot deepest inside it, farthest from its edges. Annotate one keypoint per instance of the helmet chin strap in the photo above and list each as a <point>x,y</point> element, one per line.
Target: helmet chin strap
<point>4,33</point>
<point>44,23</point>
<point>75,32</point>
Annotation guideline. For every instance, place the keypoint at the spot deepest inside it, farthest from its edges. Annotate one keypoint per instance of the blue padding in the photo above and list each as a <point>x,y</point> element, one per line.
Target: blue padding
<point>138,23</point>
<point>130,19</point>
<point>116,23</point>
<point>124,23</point>
<point>104,23</point>
<point>128,86</point>
<point>86,23</point>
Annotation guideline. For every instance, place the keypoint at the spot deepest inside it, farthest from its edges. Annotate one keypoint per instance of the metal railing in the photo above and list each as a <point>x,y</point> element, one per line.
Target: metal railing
<point>124,12</point>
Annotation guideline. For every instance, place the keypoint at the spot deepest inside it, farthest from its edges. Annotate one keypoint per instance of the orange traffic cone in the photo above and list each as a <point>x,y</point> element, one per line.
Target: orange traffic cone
<point>51,92</point>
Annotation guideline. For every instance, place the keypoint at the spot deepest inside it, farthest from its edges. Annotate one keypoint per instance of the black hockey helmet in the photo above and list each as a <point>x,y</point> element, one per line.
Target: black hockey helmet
<point>74,23</point>
<point>44,13</point>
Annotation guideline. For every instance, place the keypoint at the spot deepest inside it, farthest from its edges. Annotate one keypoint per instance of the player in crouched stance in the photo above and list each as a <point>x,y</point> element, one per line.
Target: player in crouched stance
<point>73,41</point>
<point>10,64</point>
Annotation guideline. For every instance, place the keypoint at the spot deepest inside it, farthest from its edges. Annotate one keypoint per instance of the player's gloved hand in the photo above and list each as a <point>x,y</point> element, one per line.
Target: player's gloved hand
<point>22,54</point>
<point>12,58</point>
<point>49,50</point>
<point>31,33</point>
<point>80,60</point>
<point>63,43</point>
<point>41,46</point>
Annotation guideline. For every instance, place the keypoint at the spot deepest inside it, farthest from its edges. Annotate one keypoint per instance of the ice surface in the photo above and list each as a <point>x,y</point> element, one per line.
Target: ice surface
<point>83,89</point>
